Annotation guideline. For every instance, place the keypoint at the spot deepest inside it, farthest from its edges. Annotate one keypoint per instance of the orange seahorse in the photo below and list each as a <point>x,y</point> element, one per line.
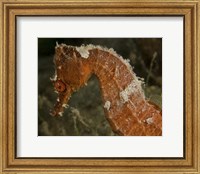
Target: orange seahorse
<point>125,106</point>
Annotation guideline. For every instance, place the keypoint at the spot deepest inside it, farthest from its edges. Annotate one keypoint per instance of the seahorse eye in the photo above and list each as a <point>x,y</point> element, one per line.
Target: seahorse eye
<point>59,86</point>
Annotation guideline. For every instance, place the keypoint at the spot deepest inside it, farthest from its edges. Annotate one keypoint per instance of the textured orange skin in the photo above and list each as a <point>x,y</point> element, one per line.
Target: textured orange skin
<point>136,117</point>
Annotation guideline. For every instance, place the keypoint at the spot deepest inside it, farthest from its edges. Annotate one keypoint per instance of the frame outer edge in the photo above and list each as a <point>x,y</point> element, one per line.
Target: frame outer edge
<point>3,102</point>
<point>197,147</point>
<point>4,91</point>
<point>1,79</point>
<point>196,78</point>
<point>198,85</point>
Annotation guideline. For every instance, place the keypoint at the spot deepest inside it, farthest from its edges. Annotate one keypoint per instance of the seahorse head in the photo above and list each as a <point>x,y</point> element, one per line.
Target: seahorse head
<point>71,72</point>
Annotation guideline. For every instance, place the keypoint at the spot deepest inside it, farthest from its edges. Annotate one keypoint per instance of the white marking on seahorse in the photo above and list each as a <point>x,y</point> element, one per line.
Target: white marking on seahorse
<point>60,113</point>
<point>149,120</point>
<point>116,71</point>
<point>83,51</point>
<point>133,87</point>
<point>59,67</point>
<point>65,106</point>
<point>107,105</point>
<point>54,78</point>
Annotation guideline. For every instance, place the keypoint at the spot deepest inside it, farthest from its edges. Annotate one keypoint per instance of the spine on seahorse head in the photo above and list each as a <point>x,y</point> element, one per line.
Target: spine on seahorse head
<point>125,105</point>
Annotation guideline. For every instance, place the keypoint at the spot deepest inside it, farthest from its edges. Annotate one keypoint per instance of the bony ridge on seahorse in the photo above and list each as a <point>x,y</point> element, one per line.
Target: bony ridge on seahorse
<point>125,106</point>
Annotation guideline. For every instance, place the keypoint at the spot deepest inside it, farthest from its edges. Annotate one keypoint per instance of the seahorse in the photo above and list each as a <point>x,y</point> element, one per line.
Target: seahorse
<point>127,110</point>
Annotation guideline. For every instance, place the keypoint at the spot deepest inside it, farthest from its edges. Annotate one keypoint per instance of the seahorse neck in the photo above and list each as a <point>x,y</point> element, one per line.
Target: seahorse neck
<point>115,74</point>
<point>117,82</point>
<point>124,102</point>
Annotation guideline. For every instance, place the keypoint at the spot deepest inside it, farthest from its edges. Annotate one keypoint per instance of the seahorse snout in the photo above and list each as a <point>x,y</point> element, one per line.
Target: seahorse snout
<point>64,94</point>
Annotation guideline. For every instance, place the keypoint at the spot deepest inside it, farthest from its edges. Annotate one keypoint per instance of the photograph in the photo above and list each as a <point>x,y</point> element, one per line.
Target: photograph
<point>99,86</point>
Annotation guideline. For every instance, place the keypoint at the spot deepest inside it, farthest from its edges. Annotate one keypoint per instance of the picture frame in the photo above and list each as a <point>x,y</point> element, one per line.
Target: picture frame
<point>10,9</point>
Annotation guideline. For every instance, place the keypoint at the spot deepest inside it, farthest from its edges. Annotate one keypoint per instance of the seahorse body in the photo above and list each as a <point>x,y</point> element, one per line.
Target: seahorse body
<point>126,108</point>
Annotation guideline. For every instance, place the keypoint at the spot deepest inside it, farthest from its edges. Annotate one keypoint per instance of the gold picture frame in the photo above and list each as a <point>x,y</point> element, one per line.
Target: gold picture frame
<point>9,163</point>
